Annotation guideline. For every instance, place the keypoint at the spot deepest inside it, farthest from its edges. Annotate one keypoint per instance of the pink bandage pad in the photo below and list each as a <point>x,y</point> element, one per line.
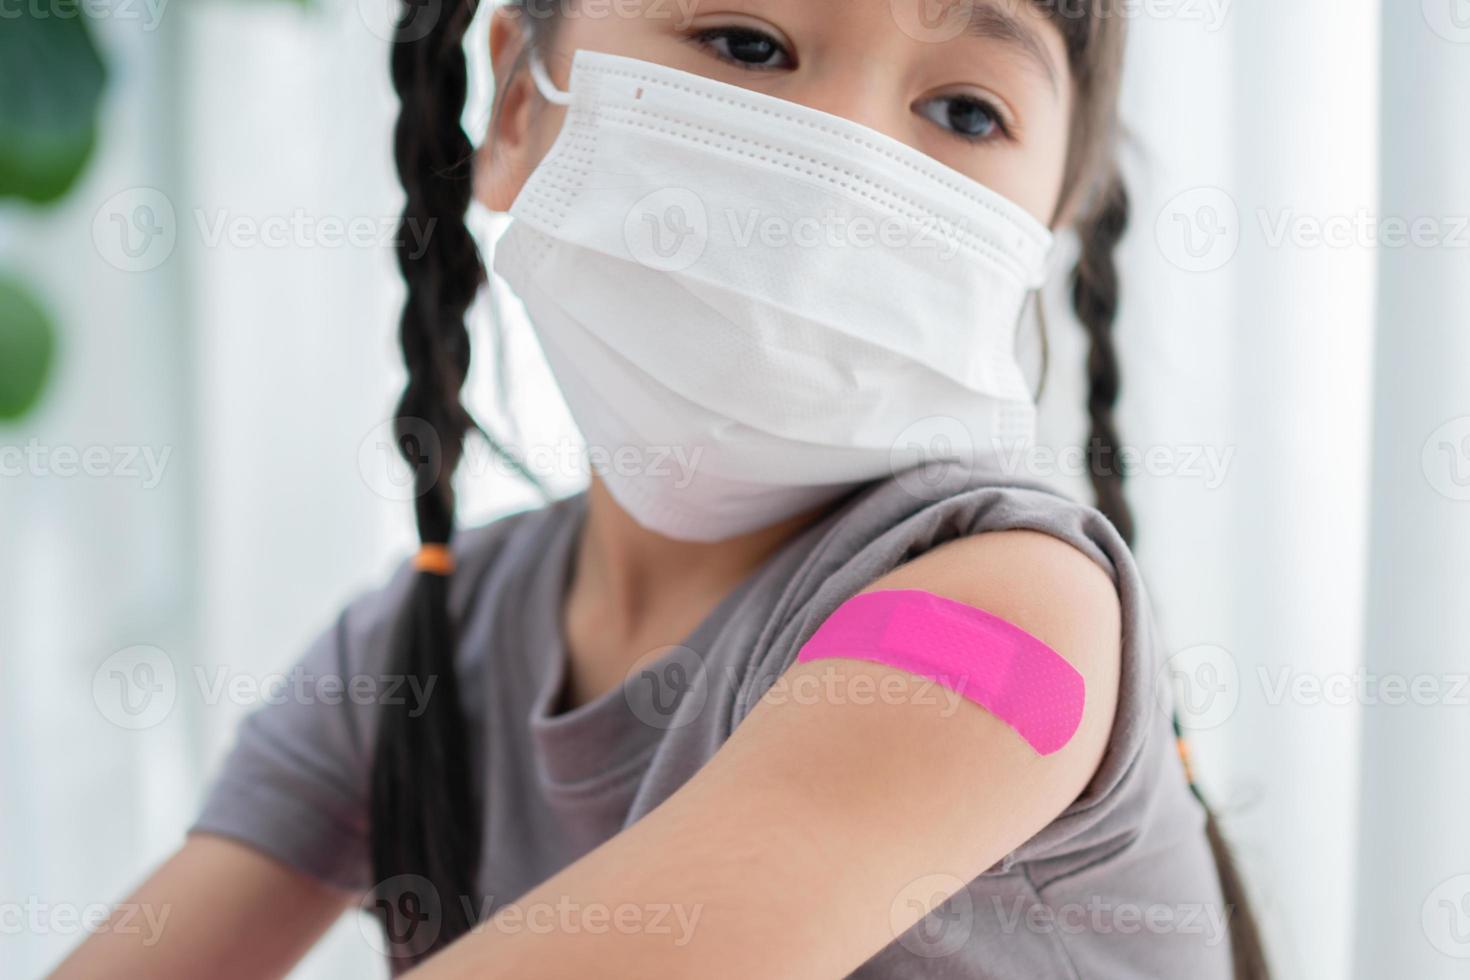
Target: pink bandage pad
<point>1004,669</point>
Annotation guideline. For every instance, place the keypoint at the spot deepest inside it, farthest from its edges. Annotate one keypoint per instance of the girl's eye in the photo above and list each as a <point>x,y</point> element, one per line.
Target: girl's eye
<point>745,46</point>
<point>966,116</point>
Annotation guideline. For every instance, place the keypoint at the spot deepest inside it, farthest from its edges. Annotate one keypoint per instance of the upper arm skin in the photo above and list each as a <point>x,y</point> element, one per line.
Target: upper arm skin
<point>216,909</point>
<point>789,854</point>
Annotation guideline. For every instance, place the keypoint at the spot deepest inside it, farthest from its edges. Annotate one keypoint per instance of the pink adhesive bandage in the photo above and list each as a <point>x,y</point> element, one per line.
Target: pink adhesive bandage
<point>1000,667</point>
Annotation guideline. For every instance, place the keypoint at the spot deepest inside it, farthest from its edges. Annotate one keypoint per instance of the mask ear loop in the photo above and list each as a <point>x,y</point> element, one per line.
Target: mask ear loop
<point>1036,300</point>
<point>545,85</point>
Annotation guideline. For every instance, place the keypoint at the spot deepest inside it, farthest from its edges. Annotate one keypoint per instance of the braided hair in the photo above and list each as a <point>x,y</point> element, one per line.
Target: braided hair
<point>1095,45</point>
<point>425,813</point>
<point>1095,296</point>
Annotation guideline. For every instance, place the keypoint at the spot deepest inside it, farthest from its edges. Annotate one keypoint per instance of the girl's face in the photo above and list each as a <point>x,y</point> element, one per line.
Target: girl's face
<point>980,85</point>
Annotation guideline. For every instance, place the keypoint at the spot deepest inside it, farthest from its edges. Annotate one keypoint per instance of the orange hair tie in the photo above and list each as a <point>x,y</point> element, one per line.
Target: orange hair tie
<point>436,559</point>
<point>1185,757</point>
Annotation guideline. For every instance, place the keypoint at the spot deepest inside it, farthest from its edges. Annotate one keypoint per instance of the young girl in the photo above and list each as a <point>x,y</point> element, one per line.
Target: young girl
<point>805,685</point>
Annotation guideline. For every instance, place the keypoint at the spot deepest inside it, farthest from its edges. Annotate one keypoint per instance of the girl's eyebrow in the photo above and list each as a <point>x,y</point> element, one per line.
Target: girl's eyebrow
<point>991,21</point>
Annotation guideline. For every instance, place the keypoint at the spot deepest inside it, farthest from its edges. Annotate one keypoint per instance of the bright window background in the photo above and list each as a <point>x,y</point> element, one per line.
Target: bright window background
<point>1332,381</point>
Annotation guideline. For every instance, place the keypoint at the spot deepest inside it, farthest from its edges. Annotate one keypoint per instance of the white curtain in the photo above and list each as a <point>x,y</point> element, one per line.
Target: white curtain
<point>1298,387</point>
<point>1418,610</point>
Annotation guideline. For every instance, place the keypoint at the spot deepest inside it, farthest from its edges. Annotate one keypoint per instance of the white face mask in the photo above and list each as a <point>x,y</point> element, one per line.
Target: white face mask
<point>752,307</point>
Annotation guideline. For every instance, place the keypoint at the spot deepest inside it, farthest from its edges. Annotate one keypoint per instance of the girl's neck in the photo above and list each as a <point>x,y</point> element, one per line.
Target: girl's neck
<point>630,570</point>
<point>633,591</point>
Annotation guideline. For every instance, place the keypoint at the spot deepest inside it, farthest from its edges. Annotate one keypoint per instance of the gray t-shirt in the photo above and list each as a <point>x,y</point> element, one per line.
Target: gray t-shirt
<point>1120,886</point>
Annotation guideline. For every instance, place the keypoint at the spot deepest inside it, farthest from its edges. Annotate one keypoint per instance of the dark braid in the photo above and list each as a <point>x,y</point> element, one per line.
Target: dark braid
<point>1095,294</point>
<point>425,812</point>
<point>1247,945</point>
<point>1095,297</point>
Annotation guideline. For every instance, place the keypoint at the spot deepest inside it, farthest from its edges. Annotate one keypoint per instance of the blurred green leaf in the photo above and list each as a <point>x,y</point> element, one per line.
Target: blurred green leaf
<point>51,80</point>
<point>27,346</point>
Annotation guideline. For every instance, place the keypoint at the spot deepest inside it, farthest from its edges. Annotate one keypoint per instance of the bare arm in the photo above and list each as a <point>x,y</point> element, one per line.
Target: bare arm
<point>216,909</point>
<point>817,834</point>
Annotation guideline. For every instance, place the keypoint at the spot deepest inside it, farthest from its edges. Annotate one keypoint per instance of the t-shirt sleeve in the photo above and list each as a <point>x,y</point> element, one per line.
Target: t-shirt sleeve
<point>295,784</point>
<point>1120,797</point>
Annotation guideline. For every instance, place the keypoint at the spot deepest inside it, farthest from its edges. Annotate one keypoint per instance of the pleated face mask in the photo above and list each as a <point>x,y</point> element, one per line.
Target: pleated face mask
<point>751,306</point>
